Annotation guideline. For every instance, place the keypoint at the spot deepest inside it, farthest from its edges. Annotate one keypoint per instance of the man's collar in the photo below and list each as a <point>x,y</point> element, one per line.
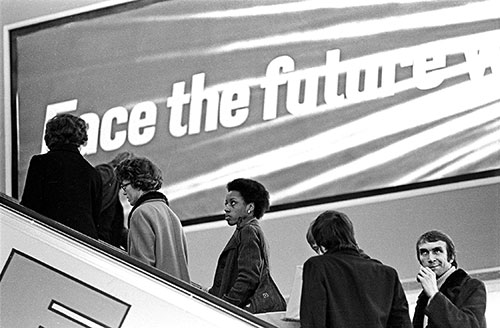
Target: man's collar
<point>67,147</point>
<point>444,276</point>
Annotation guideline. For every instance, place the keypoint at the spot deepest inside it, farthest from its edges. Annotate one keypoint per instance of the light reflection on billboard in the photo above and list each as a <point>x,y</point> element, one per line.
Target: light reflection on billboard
<point>311,98</point>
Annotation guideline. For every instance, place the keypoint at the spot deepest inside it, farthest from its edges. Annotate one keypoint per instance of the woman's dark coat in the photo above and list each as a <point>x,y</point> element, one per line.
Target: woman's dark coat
<point>240,265</point>
<point>63,186</point>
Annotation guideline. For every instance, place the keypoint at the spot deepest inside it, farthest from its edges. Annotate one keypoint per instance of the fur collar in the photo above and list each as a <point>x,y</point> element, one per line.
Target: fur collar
<point>148,196</point>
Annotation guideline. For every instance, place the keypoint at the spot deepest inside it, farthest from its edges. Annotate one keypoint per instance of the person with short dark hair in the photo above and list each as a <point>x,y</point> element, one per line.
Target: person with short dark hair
<point>245,258</point>
<point>450,297</point>
<point>156,236</point>
<point>322,250</point>
<point>111,228</point>
<point>61,184</point>
<point>345,288</point>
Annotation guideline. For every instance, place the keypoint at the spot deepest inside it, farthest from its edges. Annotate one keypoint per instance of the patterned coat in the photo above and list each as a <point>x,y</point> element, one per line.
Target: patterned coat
<point>156,236</point>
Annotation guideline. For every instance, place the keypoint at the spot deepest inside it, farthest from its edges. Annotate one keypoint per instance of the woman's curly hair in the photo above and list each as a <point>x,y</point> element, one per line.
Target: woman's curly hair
<point>65,129</point>
<point>252,192</point>
<point>141,172</point>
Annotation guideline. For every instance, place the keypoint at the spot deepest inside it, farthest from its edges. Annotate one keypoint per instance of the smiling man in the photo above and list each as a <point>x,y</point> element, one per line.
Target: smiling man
<point>450,297</point>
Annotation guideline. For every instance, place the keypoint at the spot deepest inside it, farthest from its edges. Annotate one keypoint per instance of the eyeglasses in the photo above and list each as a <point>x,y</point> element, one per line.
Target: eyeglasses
<point>124,186</point>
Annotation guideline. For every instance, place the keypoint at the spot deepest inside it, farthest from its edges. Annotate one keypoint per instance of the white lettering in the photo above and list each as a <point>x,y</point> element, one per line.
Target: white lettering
<point>109,142</point>
<point>388,79</point>
<point>426,71</point>
<point>358,89</point>
<point>479,60</point>
<point>176,103</point>
<point>310,80</point>
<point>332,73</point>
<point>345,82</point>
<point>274,78</point>
<point>234,104</point>
<point>142,123</point>
<point>199,96</point>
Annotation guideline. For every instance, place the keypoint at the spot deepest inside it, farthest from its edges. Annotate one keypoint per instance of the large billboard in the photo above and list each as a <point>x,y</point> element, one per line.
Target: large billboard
<point>312,98</point>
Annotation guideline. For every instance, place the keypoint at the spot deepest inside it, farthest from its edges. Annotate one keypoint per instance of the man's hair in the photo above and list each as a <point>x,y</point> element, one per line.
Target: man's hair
<point>252,192</point>
<point>334,231</point>
<point>65,129</point>
<point>309,235</point>
<point>436,235</point>
<point>141,172</point>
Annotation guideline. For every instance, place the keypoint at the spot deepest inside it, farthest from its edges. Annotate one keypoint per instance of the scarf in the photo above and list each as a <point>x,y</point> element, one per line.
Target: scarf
<point>455,279</point>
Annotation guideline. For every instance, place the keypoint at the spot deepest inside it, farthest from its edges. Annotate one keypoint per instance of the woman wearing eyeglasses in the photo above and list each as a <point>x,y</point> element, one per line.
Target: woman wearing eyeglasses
<point>156,236</point>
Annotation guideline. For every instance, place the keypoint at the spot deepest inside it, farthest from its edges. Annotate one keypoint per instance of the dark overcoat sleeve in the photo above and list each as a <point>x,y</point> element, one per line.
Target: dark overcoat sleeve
<point>33,188</point>
<point>399,316</point>
<point>96,196</point>
<point>314,298</point>
<point>467,312</point>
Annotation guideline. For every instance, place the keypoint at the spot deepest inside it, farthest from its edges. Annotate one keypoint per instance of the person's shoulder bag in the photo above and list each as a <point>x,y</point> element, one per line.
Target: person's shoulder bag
<point>267,296</point>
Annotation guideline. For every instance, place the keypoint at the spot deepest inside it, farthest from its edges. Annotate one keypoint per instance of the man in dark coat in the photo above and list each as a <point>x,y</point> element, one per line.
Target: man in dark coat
<point>343,287</point>
<point>111,226</point>
<point>450,297</point>
<point>61,184</point>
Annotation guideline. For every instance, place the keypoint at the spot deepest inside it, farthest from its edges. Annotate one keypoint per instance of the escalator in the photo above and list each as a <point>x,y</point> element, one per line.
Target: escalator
<point>52,276</point>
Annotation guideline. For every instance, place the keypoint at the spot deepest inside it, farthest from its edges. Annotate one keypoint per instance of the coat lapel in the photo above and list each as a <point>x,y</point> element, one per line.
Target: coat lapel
<point>450,288</point>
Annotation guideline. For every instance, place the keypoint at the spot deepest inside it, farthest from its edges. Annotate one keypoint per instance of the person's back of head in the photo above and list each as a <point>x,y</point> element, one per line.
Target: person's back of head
<point>65,129</point>
<point>310,238</point>
<point>334,231</point>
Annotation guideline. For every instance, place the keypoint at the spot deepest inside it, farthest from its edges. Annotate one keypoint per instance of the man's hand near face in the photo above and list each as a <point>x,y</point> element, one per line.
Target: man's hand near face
<point>427,279</point>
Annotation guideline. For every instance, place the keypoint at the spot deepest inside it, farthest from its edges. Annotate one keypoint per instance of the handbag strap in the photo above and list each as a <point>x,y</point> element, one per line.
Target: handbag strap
<point>265,255</point>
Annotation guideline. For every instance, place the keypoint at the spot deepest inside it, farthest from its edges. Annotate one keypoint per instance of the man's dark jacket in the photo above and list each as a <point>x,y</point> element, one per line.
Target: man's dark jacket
<point>63,186</point>
<point>460,303</point>
<point>345,289</point>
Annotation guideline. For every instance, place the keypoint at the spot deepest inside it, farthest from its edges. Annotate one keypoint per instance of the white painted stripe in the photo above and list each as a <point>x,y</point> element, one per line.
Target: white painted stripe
<point>75,316</point>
